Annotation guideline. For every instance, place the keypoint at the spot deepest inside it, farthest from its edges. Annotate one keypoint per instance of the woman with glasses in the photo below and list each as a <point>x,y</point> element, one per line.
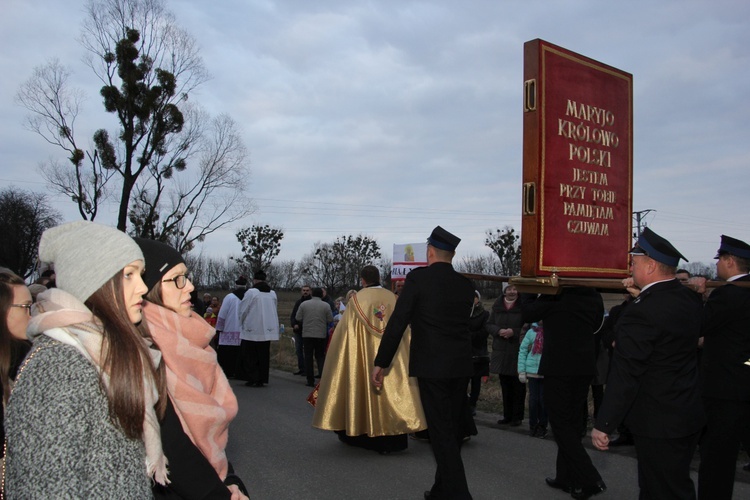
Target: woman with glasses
<point>81,421</point>
<point>201,403</point>
<point>15,307</point>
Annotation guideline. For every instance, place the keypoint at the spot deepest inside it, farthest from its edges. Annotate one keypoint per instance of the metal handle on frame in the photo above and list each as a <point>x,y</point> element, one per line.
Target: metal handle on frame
<point>529,198</point>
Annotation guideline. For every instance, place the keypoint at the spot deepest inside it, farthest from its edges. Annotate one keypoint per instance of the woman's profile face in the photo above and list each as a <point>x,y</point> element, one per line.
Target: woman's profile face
<point>134,289</point>
<point>18,317</point>
<point>177,299</point>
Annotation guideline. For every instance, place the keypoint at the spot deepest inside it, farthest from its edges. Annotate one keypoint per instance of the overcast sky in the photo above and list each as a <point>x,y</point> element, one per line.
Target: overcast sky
<point>389,117</point>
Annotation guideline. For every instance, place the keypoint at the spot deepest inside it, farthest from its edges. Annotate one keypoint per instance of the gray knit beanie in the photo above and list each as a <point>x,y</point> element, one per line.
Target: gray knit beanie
<point>86,255</point>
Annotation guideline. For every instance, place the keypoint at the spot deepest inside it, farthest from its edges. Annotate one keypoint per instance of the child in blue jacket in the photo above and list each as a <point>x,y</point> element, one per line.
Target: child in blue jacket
<point>529,356</point>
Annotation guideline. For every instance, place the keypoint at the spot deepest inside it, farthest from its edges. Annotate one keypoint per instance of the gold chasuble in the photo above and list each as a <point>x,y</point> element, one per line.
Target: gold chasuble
<point>346,398</point>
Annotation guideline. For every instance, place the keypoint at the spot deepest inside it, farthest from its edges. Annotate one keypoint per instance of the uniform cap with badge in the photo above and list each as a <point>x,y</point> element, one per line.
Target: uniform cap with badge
<point>658,248</point>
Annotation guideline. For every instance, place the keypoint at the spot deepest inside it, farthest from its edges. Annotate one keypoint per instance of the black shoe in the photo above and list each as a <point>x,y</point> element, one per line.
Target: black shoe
<point>746,466</point>
<point>541,432</point>
<point>310,384</point>
<point>428,495</point>
<point>317,375</point>
<point>516,423</point>
<point>503,421</point>
<point>554,483</point>
<point>622,440</point>
<point>584,493</point>
<point>299,372</point>
<point>533,431</point>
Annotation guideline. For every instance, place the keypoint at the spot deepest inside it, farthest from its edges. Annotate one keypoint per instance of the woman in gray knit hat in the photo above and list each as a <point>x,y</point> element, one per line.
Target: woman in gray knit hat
<point>81,420</point>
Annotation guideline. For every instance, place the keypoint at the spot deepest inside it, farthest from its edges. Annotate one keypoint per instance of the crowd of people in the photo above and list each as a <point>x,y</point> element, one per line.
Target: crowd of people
<point>133,369</point>
<point>110,387</point>
<point>669,368</point>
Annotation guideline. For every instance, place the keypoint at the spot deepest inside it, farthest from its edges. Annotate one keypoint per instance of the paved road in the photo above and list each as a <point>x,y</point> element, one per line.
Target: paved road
<point>280,456</point>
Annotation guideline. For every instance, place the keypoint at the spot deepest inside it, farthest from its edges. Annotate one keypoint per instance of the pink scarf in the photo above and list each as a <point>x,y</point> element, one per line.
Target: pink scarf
<point>202,396</point>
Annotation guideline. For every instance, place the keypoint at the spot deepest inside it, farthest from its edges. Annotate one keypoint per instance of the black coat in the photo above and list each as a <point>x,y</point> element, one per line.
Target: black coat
<point>653,377</point>
<point>726,332</point>
<point>504,359</point>
<point>191,474</point>
<point>437,302</point>
<point>570,320</point>
<point>293,320</point>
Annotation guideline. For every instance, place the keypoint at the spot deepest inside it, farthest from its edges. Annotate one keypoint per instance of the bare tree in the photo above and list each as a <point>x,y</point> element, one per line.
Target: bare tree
<point>260,245</point>
<point>701,269</point>
<point>211,272</point>
<point>481,264</point>
<point>477,264</point>
<point>337,265</point>
<point>199,203</point>
<point>284,275</point>
<point>54,107</point>
<point>24,216</point>
<point>385,266</point>
<point>320,267</point>
<point>505,244</point>
<point>147,66</point>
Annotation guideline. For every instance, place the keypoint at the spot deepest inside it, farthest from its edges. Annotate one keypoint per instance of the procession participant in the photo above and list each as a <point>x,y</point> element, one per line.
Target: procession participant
<point>725,374</point>
<point>81,422</point>
<point>653,378</point>
<point>260,325</point>
<point>15,313</point>
<point>568,365</point>
<point>200,403</point>
<point>228,328</point>
<point>436,300</point>
<point>505,325</point>
<point>378,420</point>
<point>314,315</point>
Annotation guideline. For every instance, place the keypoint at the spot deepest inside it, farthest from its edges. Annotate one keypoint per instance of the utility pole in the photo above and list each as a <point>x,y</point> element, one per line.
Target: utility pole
<point>638,216</point>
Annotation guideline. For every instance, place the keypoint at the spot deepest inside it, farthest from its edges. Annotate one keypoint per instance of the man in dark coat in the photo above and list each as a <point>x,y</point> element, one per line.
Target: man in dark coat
<point>437,301</point>
<point>568,364</point>
<point>653,378</point>
<point>726,376</point>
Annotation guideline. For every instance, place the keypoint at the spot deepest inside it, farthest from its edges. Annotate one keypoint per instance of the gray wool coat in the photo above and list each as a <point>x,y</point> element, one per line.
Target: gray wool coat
<point>61,441</point>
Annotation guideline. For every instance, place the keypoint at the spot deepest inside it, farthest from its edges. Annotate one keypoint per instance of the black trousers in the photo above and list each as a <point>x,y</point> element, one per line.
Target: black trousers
<point>664,467</point>
<point>728,422</point>
<point>299,350</point>
<point>228,357</point>
<point>255,359</point>
<point>514,397</point>
<point>314,349</point>
<point>564,397</point>
<point>445,408</point>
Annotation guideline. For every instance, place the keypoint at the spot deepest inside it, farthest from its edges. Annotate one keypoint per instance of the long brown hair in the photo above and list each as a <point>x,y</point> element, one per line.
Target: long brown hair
<point>123,355</point>
<point>9,345</point>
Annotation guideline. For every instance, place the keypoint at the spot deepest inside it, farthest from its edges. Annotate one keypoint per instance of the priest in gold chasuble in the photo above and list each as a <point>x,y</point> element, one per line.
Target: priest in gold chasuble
<point>377,419</point>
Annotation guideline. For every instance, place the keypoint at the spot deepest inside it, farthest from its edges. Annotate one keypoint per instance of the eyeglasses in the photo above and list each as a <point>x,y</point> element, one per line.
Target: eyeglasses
<point>25,306</point>
<point>179,281</point>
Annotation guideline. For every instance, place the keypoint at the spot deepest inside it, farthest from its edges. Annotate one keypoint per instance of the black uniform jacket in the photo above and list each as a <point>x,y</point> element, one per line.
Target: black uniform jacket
<point>726,348</point>
<point>437,301</point>
<point>653,377</point>
<point>570,320</point>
